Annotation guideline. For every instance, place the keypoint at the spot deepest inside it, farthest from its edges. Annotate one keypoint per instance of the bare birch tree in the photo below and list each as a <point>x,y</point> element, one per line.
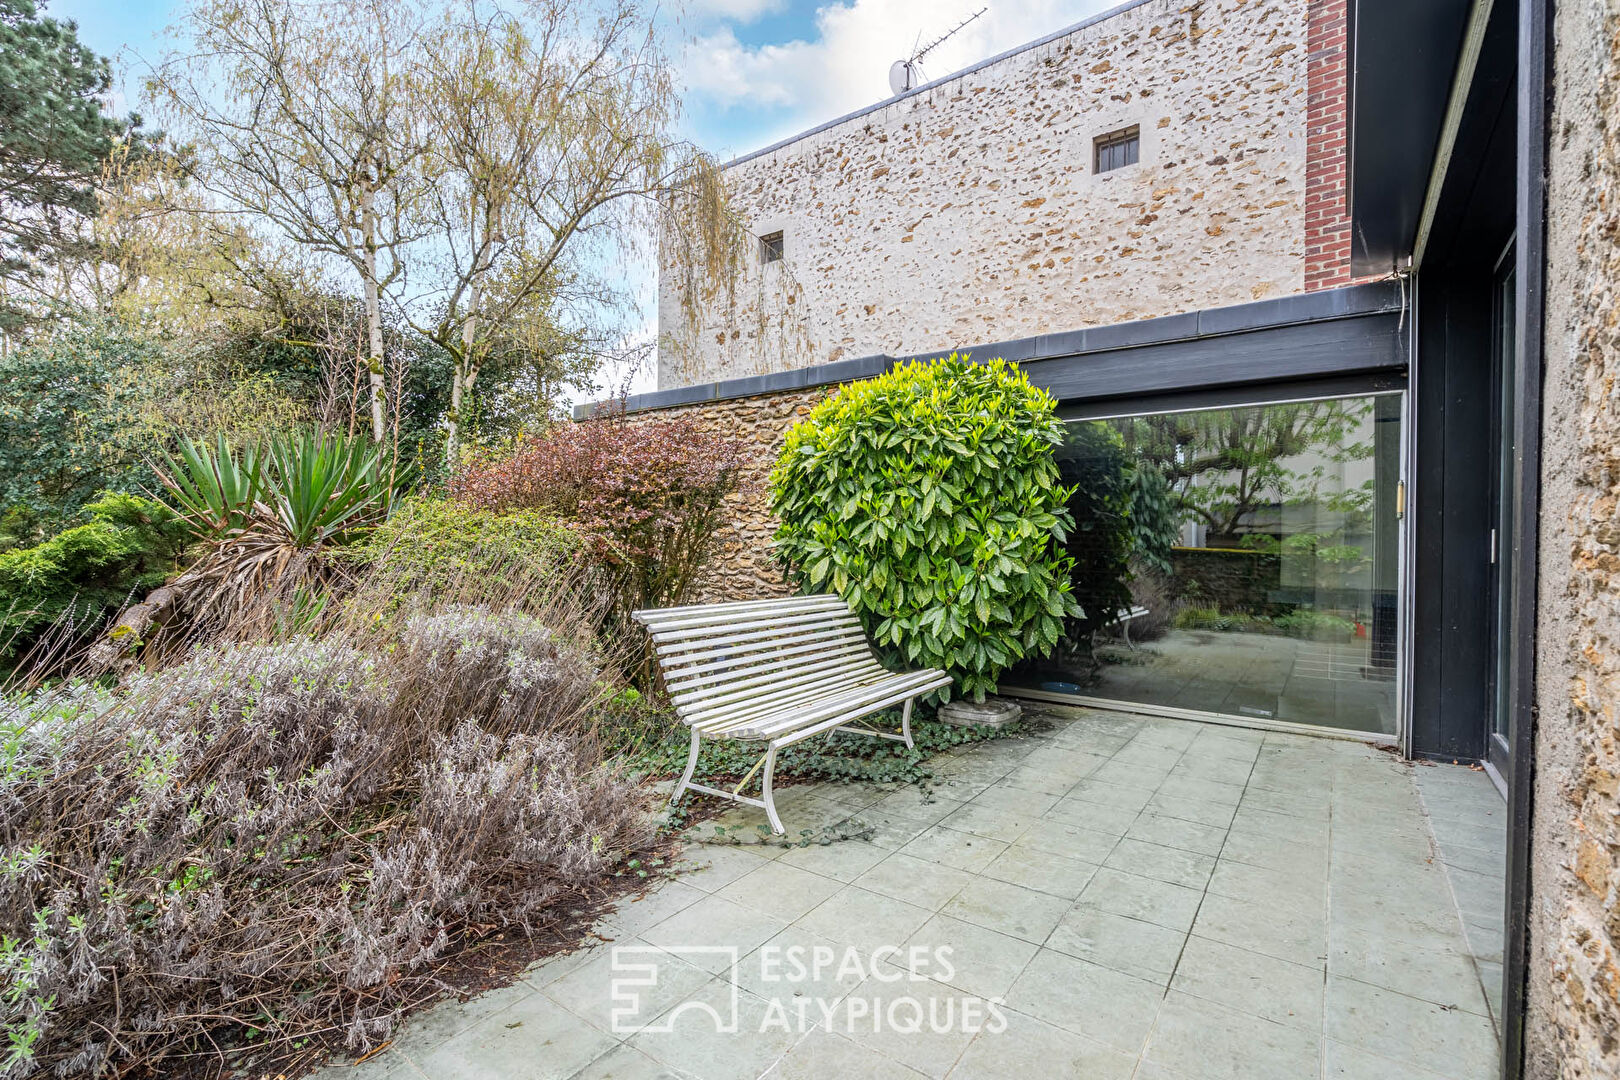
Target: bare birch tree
<point>552,151</point>
<point>300,116</point>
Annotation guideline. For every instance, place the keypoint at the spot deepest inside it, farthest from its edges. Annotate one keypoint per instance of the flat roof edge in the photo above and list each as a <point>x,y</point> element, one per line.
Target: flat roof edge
<point>932,84</point>
<point>1346,302</point>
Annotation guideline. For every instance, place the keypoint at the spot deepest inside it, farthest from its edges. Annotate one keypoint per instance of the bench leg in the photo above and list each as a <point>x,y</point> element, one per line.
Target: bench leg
<point>765,784</point>
<point>768,803</point>
<point>686,777</point>
<point>857,727</point>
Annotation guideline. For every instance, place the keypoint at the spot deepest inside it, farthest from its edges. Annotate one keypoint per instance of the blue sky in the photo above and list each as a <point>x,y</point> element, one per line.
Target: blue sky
<point>760,70</point>
<point>754,70</point>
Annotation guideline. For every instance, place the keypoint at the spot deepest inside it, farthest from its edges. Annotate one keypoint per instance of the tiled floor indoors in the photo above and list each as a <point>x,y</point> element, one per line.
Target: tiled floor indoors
<point>1122,897</point>
<point>1262,676</point>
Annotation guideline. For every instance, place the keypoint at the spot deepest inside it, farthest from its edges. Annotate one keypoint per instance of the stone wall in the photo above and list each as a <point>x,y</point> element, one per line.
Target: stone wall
<point>742,568</point>
<point>1573,1026</point>
<point>972,212</point>
<point>1227,579</point>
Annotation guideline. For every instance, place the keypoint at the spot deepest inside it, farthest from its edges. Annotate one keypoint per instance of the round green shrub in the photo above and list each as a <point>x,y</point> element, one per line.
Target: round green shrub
<point>930,500</point>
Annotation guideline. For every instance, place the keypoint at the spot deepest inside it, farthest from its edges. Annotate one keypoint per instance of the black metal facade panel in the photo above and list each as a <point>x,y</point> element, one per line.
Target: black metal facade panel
<point>1403,58</point>
<point>1290,337</point>
<point>1238,395</point>
<point>1535,58</point>
<point>1367,344</point>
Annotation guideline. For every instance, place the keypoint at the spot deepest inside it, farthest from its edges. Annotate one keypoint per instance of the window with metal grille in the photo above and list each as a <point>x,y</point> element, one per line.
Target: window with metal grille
<point>1117,149</point>
<point>770,248</point>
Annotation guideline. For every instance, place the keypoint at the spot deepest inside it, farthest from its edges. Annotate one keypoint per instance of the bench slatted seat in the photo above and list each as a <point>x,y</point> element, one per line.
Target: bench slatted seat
<point>777,672</point>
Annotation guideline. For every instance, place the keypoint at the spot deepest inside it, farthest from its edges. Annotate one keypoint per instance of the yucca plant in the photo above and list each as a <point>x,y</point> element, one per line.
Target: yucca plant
<point>317,490</point>
<point>213,487</point>
<point>322,487</point>
<point>272,517</point>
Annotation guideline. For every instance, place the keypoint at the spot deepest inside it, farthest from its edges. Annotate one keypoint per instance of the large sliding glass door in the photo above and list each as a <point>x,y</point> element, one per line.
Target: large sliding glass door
<point>1236,563</point>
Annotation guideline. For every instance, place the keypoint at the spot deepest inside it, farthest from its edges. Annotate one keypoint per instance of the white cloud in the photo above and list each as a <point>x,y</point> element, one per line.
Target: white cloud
<point>738,10</point>
<point>846,66</point>
<point>723,71</point>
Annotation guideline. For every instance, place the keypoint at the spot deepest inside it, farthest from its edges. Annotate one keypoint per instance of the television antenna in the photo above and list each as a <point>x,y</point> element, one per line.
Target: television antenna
<point>908,74</point>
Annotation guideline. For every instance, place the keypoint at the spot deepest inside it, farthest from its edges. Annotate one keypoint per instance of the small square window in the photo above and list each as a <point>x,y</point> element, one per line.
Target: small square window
<point>1117,149</point>
<point>770,248</point>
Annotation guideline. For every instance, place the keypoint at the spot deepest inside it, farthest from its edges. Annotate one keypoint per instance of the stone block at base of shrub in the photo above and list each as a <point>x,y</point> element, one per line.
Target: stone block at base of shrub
<point>992,712</point>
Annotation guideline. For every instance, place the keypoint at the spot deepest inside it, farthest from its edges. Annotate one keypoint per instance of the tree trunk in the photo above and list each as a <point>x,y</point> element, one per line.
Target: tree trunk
<point>466,374</point>
<point>120,647</point>
<point>374,328</point>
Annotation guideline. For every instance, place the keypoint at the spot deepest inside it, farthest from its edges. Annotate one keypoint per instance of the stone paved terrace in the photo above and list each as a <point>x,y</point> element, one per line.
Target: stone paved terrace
<point>1146,898</point>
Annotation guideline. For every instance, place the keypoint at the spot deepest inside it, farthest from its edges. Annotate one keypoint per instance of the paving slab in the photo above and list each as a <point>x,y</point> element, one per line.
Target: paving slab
<point>1109,896</point>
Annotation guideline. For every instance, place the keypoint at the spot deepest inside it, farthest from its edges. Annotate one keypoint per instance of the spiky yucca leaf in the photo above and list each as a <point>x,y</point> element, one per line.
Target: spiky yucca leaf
<point>273,516</point>
<point>321,487</point>
<point>215,486</point>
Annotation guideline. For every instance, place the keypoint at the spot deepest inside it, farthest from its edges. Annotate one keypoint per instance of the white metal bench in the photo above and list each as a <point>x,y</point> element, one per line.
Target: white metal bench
<point>778,672</point>
<point>1124,620</point>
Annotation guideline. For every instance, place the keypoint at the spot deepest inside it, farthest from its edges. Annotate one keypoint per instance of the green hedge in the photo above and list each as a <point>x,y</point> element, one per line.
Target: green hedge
<point>128,545</point>
<point>929,498</point>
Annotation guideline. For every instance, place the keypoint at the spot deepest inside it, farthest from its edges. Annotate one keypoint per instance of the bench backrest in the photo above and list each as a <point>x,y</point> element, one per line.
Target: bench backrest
<point>718,659</point>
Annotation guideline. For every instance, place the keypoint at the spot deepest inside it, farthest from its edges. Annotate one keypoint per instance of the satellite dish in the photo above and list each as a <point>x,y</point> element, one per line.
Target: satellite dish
<point>908,74</point>
<point>902,76</point>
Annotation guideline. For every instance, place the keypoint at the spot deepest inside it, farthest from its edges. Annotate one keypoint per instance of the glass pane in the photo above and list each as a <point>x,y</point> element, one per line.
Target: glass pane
<point>1507,367</point>
<point>1238,561</point>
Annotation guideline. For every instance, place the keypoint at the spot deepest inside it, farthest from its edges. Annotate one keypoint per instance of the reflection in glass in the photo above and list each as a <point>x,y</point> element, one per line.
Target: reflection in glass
<point>1238,561</point>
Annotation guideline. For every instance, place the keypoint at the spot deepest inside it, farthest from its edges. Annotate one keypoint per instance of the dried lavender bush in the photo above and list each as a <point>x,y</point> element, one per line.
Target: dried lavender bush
<point>281,840</point>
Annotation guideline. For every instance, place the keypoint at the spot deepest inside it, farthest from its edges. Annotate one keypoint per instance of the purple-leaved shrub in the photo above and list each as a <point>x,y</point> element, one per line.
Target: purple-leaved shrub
<point>272,842</point>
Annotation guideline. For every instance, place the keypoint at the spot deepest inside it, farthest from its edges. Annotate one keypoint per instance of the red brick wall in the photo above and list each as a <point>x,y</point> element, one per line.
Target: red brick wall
<point>1327,225</point>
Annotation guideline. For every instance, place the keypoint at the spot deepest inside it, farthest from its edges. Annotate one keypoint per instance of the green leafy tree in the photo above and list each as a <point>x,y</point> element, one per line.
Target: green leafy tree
<point>60,404</point>
<point>1094,467</point>
<point>1155,519</point>
<point>54,138</point>
<point>300,116</point>
<point>1124,520</point>
<point>930,499</point>
<point>1223,466</point>
<point>551,138</point>
<point>82,410</point>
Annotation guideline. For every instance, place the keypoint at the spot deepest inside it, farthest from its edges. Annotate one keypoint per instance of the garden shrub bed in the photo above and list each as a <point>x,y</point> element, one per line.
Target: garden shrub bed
<point>274,846</point>
<point>73,581</point>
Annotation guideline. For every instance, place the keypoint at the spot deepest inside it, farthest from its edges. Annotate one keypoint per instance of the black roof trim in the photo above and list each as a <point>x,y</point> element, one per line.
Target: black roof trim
<point>1403,58</point>
<point>1352,301</point>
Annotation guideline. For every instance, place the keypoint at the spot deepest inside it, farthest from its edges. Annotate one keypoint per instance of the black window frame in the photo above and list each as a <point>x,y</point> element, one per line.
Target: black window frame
<point>1116,149</point>
<point>772,248</point>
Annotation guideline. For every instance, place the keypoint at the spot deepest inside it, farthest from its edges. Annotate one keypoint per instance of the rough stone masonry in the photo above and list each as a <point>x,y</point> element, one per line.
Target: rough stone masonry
<point>1573,1027</point>
<point>974,211</point>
